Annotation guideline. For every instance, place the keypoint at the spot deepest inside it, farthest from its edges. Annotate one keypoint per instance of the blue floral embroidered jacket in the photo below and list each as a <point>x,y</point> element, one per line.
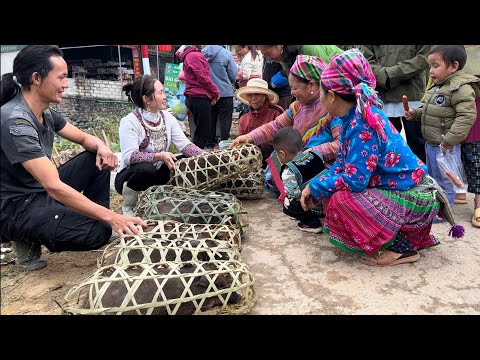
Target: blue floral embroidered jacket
<point>366,160</point>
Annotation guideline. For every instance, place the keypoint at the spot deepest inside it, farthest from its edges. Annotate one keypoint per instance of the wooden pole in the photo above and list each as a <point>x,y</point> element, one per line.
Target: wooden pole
<point>106,139</point>
<point>55,149</point>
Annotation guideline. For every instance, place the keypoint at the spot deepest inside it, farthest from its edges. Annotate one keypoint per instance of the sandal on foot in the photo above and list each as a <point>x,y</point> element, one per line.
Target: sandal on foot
<point>303,227</point>
<point>460,201</point>
<point>387,258</point>
<point>476,214</point>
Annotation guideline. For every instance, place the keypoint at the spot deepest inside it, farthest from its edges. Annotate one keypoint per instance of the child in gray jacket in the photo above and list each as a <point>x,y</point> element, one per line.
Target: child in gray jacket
<point>298,167</point>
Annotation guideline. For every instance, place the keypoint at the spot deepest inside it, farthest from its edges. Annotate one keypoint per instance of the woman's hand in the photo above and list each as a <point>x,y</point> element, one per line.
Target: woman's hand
<point>240,140</point>
<point>307,199</point>
<point>167,157</point>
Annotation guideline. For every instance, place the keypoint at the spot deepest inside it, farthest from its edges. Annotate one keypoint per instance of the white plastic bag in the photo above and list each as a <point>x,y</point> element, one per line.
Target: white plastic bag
<point>452,169</point>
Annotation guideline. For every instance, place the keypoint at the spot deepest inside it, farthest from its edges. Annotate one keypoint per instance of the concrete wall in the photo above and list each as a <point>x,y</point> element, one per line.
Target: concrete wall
<point>85,100</point>
<point>7,62</point>
<point>7,56</point>
<point>98,89</point>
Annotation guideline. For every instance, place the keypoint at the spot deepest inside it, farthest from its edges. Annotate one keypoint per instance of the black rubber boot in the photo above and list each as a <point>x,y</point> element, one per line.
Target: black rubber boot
<point>29,256</point>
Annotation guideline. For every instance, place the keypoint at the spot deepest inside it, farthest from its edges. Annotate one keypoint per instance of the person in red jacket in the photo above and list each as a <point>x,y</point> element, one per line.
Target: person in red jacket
<point>200,91</point>
<point>262,109</point>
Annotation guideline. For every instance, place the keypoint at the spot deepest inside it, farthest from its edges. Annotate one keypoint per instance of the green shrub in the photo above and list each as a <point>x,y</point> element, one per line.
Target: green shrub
<point>65,144</point>
<point>108,123</point>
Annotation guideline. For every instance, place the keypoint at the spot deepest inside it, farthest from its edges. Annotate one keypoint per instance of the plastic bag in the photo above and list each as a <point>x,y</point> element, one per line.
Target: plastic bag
<point>278,80</point>
<point>178,107</point>
<point>224,144</point>
<point>452,169</point>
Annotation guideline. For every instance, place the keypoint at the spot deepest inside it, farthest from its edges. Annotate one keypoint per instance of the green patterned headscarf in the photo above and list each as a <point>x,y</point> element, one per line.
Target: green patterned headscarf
<point>308,67</point>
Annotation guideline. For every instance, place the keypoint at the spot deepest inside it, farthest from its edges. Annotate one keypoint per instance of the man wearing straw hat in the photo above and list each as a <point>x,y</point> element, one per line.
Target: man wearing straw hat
<point>262,109</point>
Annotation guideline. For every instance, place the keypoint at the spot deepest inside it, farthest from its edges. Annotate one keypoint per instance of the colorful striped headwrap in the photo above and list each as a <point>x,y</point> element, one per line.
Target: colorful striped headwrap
<point>308,67</point>
<point>350,73</point>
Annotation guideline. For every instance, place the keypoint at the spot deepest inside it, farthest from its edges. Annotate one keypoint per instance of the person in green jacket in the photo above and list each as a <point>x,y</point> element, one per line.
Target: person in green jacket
<point>400,70</point>
<point>449,110</point>
<point>286,54</point>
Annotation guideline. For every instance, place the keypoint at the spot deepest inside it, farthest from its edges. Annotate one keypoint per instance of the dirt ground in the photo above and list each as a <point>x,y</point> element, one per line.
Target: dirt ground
<point>36,292</point>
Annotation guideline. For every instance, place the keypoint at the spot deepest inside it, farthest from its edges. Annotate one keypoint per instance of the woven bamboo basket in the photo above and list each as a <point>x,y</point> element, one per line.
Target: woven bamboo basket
<point>244,187</point>
<point>207,171</point>
<point>166,202</point>
<point>161,191</point>
<point>174,230</point>
<point>144,249</point>
<point>215,287</point>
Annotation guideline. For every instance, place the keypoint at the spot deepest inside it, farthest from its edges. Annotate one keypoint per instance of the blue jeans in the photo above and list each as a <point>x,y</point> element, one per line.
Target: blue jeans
<point>433,169</point>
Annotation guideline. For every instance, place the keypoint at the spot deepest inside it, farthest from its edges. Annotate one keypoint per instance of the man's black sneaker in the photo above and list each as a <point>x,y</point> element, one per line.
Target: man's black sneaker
<point>31,265</point>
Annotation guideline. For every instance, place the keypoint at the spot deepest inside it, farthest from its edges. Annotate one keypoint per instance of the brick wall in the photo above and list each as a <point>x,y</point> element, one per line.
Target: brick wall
<point>99,89</point>
<point>85,100</point>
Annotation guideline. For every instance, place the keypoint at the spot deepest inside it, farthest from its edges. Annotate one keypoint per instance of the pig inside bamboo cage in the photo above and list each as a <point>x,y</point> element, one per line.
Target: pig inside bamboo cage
<point>144,249</point>
<point>166,202</point>
<point>159,191</point>
<point>244,186</point>
<point>207,171</point>
<point>173,230</point>
<point>215,287</point>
